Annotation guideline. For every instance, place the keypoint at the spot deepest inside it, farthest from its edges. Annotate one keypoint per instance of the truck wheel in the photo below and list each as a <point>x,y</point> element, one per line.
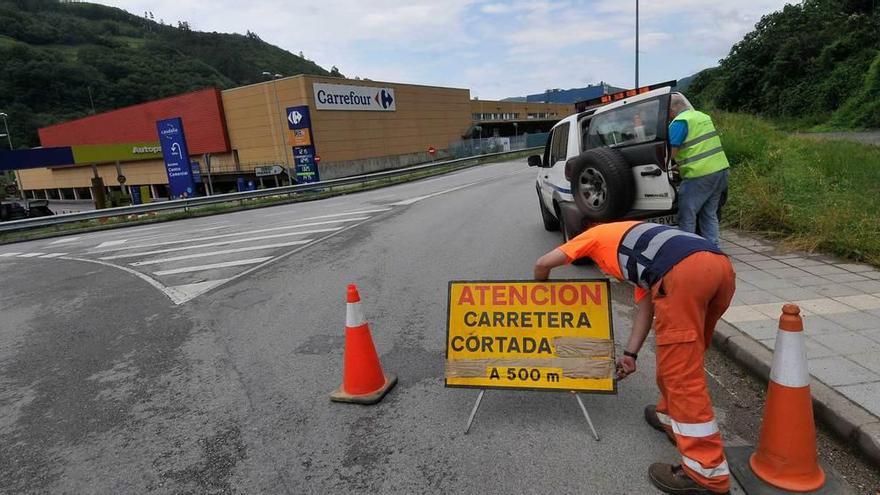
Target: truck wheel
<point>602,184</point>
<point>567,236</point>
<point>551,224</point>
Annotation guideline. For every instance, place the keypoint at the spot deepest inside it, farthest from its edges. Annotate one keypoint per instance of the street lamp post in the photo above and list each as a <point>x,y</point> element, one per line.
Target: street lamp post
<point>275,77</point>
<point>9,140</point>
<point>637,44</point>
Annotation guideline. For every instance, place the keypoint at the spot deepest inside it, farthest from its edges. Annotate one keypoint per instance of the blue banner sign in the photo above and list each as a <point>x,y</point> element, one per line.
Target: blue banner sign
<point>135,195</point>
<point>240,185</point>
<point>35,158</point>
<point>196,172</point>
<point>176,155</point>
<point>305,167</point>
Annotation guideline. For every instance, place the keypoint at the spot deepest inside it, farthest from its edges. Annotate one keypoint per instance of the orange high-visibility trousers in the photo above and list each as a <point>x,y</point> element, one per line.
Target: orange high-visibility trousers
<point>688,302</point>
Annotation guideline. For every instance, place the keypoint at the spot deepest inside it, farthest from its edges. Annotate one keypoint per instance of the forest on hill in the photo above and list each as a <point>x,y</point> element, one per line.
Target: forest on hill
<point>814,64</point>
<point>65,60</point>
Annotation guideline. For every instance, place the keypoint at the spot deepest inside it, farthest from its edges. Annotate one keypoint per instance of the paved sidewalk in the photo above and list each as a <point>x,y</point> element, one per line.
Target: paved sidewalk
<point>840,303</point>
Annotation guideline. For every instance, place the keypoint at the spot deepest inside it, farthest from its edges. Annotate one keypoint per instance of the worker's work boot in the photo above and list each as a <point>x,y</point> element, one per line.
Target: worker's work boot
<point>671,478</point>
<point>654,422</point>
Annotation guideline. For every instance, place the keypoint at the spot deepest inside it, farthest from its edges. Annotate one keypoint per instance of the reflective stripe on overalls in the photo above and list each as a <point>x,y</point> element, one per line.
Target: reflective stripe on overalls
<point>640,245</point>
<point>701,153</point>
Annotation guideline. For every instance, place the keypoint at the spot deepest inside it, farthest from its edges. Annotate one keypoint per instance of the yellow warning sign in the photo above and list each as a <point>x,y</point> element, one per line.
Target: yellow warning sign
<point>534,335</point>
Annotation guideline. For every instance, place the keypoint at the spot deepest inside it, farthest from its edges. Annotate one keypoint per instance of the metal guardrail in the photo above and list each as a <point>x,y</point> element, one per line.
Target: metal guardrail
<point>183,204</point>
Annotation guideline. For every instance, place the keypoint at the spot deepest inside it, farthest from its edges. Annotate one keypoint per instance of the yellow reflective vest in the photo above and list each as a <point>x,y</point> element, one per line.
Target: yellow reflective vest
<point>701,153</point>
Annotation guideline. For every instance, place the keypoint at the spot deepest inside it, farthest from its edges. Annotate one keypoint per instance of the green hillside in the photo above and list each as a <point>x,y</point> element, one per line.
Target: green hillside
<point>816,63</point>
<point>63,60</point>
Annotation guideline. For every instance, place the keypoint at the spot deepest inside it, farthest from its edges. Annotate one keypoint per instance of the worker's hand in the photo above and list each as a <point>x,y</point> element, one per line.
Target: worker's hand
<point>625,367</point>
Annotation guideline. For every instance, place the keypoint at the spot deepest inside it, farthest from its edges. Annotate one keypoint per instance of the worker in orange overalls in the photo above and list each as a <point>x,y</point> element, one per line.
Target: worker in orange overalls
<point>686,283</point>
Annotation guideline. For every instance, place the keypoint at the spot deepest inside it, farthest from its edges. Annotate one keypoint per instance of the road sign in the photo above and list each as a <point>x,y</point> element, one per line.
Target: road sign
<point>532,335</point>
<point>305,164</point>
<point>268,170</point>
<point>176,155</point>
<point>431,150</point>
<point>120,178</point>
<point>196,172</point>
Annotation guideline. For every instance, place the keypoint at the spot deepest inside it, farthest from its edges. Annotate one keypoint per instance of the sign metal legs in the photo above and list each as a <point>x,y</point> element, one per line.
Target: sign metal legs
<point>576,396</point>
<point>586,415</point>
<point>474,410</point>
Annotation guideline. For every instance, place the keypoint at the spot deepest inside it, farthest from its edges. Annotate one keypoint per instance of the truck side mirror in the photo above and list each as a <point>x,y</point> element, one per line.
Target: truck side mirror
<point>536,161</point>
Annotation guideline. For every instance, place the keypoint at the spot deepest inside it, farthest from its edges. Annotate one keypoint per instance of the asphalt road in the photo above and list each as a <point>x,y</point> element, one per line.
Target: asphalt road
<point>197,356</point>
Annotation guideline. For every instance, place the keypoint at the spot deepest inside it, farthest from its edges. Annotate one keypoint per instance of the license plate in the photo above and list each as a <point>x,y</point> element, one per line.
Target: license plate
<point>664,220</point>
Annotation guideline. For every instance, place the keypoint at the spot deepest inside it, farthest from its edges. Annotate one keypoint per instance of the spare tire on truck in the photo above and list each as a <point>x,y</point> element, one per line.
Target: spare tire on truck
<point>601,183</point>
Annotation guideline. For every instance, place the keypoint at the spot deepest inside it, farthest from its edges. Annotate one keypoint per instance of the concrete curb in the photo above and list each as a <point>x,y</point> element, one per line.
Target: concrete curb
<point>846,419</point>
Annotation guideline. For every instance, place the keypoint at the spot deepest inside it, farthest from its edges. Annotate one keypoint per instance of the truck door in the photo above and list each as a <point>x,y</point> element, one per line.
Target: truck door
<point>637,131</point>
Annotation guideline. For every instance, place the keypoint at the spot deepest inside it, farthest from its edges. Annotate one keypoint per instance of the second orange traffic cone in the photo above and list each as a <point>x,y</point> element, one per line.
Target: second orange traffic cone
<point>786,456</point>
<point>363,380</point>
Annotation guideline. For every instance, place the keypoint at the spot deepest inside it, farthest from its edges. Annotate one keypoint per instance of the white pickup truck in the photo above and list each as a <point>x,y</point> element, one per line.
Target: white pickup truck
<point>609,163</point>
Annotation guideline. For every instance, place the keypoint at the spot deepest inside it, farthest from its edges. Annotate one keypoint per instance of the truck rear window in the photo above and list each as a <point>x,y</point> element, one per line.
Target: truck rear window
<point>630,124</point>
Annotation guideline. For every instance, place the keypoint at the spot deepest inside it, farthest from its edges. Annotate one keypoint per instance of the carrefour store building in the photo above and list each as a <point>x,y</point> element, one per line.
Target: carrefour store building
<point>302,128</point>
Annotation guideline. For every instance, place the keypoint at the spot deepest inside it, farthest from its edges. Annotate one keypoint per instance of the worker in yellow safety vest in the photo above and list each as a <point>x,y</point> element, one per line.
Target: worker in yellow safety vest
<point>696,148</point>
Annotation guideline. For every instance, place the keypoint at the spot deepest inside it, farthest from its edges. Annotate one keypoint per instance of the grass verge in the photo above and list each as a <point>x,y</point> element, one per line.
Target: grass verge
<point>238,205</point>
<point>813,195</point>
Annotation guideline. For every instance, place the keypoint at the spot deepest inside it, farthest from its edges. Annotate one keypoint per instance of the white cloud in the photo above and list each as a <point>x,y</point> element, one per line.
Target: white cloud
<point>497,48</point>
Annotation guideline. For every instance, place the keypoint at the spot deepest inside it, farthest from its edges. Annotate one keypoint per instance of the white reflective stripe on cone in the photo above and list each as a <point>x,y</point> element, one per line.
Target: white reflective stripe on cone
<point>664,418</point>
<point>695,429</point>
<point>720,470</point>
<point>790,360</point>
<point>354,315</point>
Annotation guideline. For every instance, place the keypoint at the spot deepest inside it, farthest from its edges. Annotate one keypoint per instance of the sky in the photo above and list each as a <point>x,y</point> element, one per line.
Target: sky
<point>496,49</point>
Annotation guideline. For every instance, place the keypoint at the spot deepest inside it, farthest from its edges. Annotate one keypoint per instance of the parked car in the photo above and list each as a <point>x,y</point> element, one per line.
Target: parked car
<point>39,208</point>
<point>607,163</point>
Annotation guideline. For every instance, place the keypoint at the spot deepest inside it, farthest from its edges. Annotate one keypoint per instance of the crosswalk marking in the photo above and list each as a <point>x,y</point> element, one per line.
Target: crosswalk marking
<point>65,240</point>
<point>4,255</point>
<point>223,251</point>
<point>218,243</point>
<point>226,264</point>
<point>30,255</point>
<point>52,255</point>
<point>236,234</point>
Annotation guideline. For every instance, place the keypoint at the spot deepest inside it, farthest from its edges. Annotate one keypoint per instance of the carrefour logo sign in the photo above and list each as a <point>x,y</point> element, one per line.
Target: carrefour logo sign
<point>357,98</point>
<point>294,117</point>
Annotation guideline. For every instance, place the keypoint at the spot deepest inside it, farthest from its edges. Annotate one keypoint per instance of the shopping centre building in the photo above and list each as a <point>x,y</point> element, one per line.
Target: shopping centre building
<point>302,128</point>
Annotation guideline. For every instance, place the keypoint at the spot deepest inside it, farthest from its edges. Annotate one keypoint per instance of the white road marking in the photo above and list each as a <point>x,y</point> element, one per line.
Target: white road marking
<point>30,255</point>
<point>359,212</point>
<point>222,251</point>
<point>52,255</point>
<point>65,239</point>
<point>111,243</point>
<point>150,280</point>
<point>219,243</point>
<point>188,291</point>
<point>234,234</point>
<point>4,255</point>
<point>199,268</point>
<point>410,201</point>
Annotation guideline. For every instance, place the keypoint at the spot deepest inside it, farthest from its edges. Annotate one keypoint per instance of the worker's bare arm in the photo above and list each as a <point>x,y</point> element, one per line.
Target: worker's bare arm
<point>548,262</point>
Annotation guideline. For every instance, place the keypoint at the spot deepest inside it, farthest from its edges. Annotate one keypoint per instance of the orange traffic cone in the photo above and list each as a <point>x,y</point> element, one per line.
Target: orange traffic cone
<point>363,381</point>
<point>786,456</point>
